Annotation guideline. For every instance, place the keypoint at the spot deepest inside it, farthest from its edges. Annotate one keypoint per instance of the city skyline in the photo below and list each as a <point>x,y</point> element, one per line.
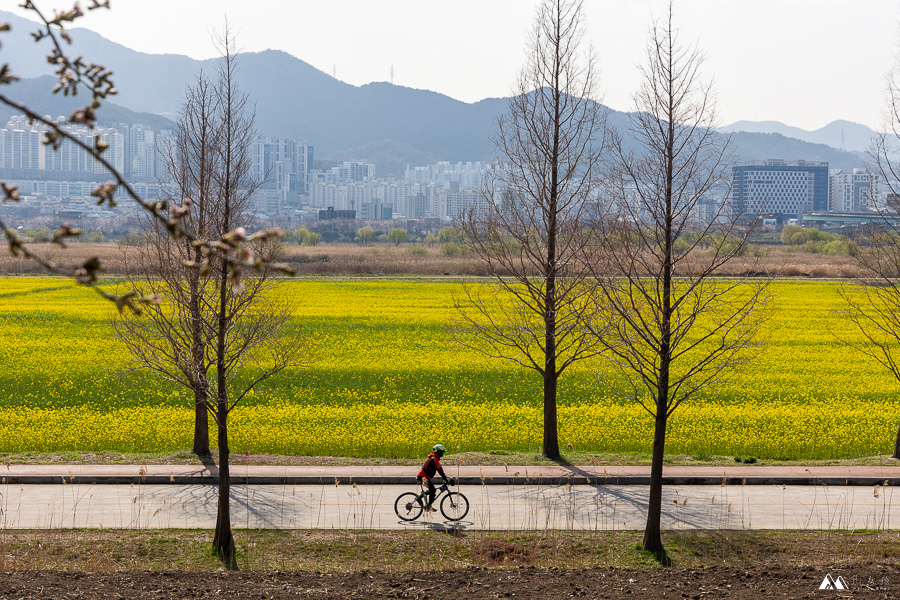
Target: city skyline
<point>801,63</point>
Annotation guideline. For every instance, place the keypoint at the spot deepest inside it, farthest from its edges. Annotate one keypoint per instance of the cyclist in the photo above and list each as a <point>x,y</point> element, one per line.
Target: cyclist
<point>433,465</point>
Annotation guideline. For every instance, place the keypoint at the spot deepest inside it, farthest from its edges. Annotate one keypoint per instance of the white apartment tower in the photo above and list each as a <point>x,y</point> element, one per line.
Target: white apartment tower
<point>22,149</point>
<point>851,192</point>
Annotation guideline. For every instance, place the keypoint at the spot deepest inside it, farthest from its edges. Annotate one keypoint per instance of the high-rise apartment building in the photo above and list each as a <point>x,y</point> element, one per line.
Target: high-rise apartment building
<point>282,164</point>
<point>24,155</point>
<point>441,190</point>
<point>852,192</point>
<point>143,150</point>
<point>780,187</point>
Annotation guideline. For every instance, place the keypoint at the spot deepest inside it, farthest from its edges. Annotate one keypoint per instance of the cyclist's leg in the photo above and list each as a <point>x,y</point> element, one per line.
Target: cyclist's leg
<point>432,491</point>
<point>423,486</point>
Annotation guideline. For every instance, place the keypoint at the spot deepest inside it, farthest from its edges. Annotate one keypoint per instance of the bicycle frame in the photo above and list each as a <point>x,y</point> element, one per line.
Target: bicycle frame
<point>438,491</point>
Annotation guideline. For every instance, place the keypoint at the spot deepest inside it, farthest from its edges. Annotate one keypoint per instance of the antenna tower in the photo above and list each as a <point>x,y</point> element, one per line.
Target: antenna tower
<point>392,74</point>
<point>334,70</point>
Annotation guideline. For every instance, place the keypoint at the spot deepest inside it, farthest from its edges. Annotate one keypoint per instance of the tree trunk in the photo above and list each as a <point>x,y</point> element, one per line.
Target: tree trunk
<point>551,434</point>
<point>198,359</point>
<point>551,437</point>
<point>897,445</point>
<point>652,539</point>
<point>201,424</point>
<point>223,541</point>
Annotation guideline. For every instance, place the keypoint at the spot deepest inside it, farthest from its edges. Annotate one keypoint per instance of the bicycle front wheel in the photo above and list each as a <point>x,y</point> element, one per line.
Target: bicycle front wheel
<point>408,506</point>
<point>454,506</point>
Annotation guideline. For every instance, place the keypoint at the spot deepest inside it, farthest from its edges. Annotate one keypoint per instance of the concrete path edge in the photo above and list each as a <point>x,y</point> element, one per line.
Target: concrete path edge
<point>467,475</point>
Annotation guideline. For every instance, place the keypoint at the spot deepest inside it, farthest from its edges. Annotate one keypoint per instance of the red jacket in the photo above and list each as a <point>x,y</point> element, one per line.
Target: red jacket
<point>432,465</point>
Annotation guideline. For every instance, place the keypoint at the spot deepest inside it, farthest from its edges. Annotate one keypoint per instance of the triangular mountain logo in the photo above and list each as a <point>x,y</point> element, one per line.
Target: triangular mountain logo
<point>830,583</point>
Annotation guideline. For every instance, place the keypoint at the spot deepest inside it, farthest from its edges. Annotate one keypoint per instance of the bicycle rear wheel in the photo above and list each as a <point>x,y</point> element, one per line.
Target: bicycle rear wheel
<point>408,506</point>
<point>454,506</point>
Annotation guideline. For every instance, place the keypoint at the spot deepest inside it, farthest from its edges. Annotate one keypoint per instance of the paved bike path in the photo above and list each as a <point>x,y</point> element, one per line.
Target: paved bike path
<point>497,507</point>
<point>467,475</point>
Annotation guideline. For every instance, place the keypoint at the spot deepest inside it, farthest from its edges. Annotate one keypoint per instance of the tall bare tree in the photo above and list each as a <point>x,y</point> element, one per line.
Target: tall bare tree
<point>530,230</point>
<point>216,332</point>
<point>244,331</point>
<point>170,338</point>
<point>674,329</point>
<point>873,304</point>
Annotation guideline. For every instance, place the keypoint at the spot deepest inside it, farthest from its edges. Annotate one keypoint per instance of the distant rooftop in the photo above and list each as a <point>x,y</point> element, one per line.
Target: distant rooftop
<point>777,162</point>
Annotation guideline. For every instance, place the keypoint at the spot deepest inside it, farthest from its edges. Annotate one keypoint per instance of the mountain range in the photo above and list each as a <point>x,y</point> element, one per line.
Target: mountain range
<point>844,135</point>
<point>389,125</point>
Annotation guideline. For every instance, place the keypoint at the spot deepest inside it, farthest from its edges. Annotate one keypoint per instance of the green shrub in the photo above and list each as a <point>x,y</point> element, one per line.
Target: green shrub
<point>300,234</point>
<point>416,250</point>
<point>451,249</point>
<point>798,238</point>
<point>813,247</point>
<point>448,235</point>
<point>837,248</point>
<point>788,233</point>
<point>682,246</point>
<point>397,235</point>
<point>41,234</point>
<point>133,238</point>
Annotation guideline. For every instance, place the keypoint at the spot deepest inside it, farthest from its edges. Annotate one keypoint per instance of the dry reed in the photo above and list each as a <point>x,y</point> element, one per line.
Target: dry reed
<point>387,259</point>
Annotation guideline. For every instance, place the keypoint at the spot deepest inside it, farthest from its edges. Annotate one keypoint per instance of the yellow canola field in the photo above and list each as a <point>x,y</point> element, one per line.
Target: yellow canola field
<point>390,381</point>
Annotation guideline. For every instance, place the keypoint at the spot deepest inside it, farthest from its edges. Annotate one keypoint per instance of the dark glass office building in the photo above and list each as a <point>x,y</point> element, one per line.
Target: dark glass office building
<point>780,187</point>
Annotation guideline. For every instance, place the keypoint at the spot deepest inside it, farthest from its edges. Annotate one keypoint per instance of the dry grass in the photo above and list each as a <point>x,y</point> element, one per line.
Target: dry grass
<point>70,257</point>
<point>780,261</point>
<point>378,259</point>
<point>387,259</point>
<point>402,551</point>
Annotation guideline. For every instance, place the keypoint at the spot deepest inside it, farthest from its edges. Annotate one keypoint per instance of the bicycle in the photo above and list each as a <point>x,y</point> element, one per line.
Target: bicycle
<point>410,505</point>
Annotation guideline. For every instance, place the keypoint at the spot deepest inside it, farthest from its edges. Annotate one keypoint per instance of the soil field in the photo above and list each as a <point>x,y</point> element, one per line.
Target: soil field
<point>432,564</point>
<point>524,582</point>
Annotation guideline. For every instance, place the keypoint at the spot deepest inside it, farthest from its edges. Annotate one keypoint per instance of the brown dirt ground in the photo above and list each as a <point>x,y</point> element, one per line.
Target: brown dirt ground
<point>522,582</point>
<point>372,565</point>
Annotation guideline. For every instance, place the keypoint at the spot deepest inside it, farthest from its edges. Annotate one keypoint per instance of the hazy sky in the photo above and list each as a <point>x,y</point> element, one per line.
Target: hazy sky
<point>802,62</point>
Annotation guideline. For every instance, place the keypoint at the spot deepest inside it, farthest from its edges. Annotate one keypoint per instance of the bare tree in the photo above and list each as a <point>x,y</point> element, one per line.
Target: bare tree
<point>170,338</point>
<point>674,330</point>
<point>211,328</point>
<point>873,304</point>
<point>530,231</point>
<point>242,329</point>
